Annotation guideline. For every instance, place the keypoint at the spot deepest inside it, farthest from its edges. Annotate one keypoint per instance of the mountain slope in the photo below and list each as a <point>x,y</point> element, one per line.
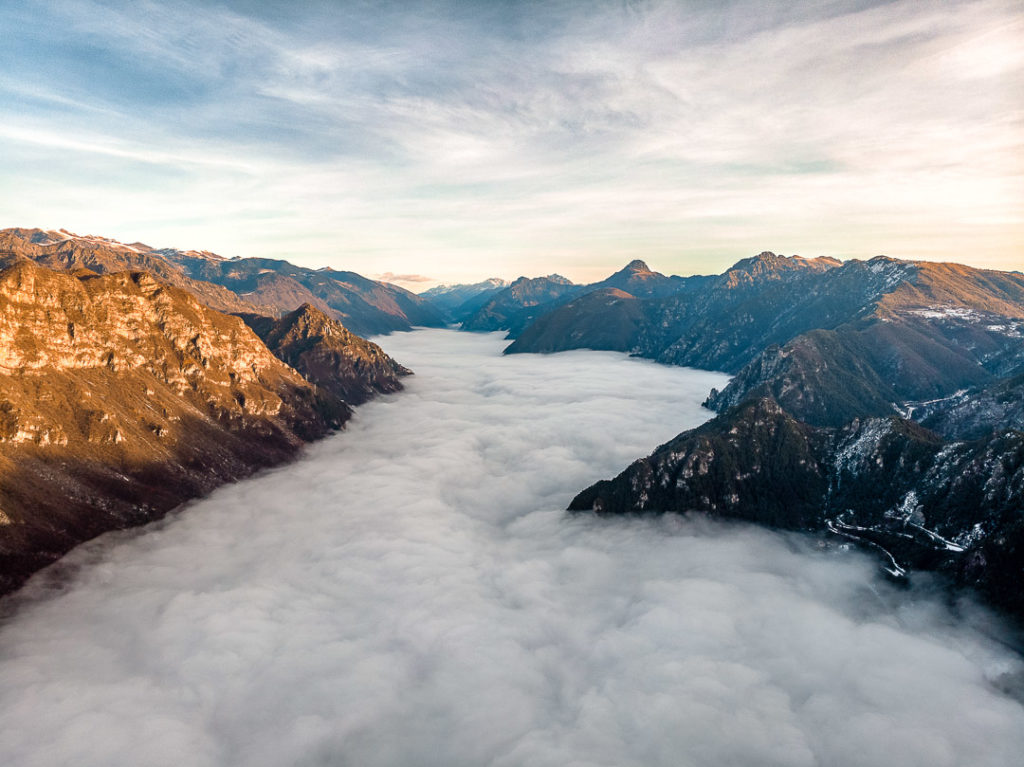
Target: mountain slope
<point>606,319</point>
<point>885,483</point>
<point>365,306</point>
<point>459,302</point>
<point>514,307</point>
<point>328,355</point>
<point>62,251</point>
<point>122,397</point>
<point>815,433</point>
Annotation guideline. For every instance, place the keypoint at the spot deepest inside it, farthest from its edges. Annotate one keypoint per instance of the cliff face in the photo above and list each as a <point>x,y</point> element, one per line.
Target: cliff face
<point>327,354</point>
<point>121,397</point>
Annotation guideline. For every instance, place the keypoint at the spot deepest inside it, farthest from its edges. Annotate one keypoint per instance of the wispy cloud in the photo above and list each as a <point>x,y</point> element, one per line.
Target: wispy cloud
<point>375,138</point>
<point>403,278</point>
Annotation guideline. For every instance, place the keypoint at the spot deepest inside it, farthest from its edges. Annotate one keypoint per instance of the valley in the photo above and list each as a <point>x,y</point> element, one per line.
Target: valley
<point>413,586</point>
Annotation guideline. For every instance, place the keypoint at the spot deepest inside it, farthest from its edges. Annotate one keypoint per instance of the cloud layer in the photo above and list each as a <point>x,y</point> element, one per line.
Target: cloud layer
<point>383,136</point>
<point>410,593</point>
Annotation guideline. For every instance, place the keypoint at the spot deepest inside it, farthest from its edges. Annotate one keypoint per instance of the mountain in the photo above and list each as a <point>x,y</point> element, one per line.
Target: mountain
<point>606,319</point>
<point>603,315</point>
<point>459,302</point>
<point>123,397</point>
<point>940,328</point>
<point>66,252</point>
<point>366,307</point>
<point>638,280</point>
<point>328,355</point>
<point>977,412</point>
<point>714,322</point>
<point>516,306</point>
<point>816,433</point>
<point>239,285</point>
<point>887,484</point>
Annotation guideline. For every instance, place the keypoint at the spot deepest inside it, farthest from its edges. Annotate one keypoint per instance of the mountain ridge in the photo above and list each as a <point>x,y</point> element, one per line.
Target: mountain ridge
<point>236,285</point>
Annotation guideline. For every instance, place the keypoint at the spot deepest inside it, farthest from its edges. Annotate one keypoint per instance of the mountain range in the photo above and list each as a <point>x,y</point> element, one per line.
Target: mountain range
<point>255,285</point>
<point>126,388</point>
<point>880,400</point>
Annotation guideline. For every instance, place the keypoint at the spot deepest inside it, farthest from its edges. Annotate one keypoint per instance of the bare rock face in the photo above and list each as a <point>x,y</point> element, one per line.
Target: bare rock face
<point>327,354</point>
<point>121,397</point>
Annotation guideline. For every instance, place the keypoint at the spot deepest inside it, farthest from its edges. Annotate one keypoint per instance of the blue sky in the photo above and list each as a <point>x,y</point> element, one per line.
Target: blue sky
<point>459,140</point>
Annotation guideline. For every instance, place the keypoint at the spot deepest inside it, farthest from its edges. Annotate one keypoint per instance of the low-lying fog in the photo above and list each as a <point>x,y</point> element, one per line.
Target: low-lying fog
<point>411,593</point>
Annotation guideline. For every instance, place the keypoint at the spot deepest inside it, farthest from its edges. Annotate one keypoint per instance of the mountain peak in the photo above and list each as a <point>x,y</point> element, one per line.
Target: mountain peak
<point>636,265</point>
<point>768,263</point>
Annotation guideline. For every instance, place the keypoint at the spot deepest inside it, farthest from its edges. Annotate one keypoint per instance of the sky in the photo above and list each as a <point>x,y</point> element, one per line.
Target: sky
<point>453,141</point>
<point>451,614</point>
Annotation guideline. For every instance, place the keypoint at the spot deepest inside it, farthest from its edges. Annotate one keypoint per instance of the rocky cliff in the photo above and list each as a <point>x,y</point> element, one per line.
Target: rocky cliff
<point>120,397</point>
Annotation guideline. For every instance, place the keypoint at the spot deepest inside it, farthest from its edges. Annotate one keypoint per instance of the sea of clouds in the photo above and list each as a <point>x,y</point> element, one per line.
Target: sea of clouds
<point>411,593</point>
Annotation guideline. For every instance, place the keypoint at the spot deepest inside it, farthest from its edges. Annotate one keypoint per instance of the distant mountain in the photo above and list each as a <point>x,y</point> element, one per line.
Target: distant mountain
<point>364,306</point>
<point>243,285</point>
<point>124,396</point>
<point>328,355</point>
<point>714,322</point>
<point>528,302</point>
<point>638,280</point>
<point>458,302</point>
<point>815,432</point>
<point>606,319</point>
<point>514,307</point>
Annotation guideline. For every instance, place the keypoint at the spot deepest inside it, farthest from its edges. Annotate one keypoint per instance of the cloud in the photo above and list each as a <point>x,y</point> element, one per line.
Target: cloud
<point>386,136</point>
<point>411,593</point>
<point>407,278</point>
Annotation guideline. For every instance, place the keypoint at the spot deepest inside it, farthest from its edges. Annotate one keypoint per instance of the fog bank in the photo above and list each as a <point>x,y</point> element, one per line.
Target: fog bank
<point>411,593</point>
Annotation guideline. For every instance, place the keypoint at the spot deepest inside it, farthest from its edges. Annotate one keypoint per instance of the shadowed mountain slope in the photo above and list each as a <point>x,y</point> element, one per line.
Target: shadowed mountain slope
<point>328,355</point>
<point>815,431</point>
<point>458,302</point>
<point>514,307</point>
